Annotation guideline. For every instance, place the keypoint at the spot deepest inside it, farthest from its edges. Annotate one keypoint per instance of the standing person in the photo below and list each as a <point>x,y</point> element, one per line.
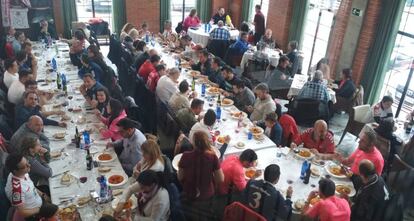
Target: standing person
<point>128,148</point>
<point>259,24</point>
<point>198,171</point>
<point>191,20</point>
<point>330,207</point>
<point>116,113</point>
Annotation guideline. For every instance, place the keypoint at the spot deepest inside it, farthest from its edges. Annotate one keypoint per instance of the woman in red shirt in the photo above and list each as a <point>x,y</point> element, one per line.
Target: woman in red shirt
<point>191,20</point>
<point>116,113</point>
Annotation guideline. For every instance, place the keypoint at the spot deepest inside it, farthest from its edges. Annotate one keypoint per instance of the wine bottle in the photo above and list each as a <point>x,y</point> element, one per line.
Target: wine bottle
<point>193,84</point>
<point>58,84</point>
<point>89,163</point>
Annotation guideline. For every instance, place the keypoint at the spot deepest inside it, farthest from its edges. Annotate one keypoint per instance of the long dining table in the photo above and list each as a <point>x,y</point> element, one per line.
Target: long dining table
<point>72,160</point>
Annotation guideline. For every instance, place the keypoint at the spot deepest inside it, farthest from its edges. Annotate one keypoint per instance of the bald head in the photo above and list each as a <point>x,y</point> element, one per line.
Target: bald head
<point>152,52</point>
<point>366,168</point>
<point>35,123</point>
<point>320,129</point>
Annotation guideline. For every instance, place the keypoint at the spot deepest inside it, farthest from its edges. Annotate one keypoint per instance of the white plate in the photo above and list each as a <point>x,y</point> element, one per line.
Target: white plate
<point>237,117</point>
<point>104,161</point>
<point>72,179</point>
<point>176,160</point>
<point>240,145</point>
<point>116,200</point>
<point>226,105</point>
<point>351,187</point>
<point>332,164</point>
<point>121,173</point>
<point>305,158</point>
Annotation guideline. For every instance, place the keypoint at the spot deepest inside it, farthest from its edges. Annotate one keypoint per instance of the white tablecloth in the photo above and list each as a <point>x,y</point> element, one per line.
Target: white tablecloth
<point>271,53</point>
<point>199,35</point>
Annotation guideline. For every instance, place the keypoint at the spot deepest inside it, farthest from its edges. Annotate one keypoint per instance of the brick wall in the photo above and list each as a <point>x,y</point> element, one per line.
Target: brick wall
<point>232,7</point>
<point>366,38</point>
<point>138,11</point>
<point>338,34</point>
<point>278,19</point>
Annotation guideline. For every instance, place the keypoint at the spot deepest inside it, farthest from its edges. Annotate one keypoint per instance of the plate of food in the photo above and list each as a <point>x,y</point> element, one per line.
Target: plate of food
<point>250,173</point>
<point>318,162</point>
<point>67,178</point>
<point>299,205</point>
<point>104,157</point>
<point>238,114</point>
<point>55,154</point>
<point>344,189</point>
<point>256,130</point>
<point>104,170</point>
<point>259,137</point>
<point>117,192</point>
<point>315,172</point>
<point>314,200</point>
<point>68,213</point>
<point>304,154</point>
<point>221,139</point>
<point>194,74</point>
<point>227,102</point>
<point>240,145</point>
<point>213,90</point>
<point>59,135</point>
<point>176,160</point>
<point>117,179</point>
<point>83,201</point>
<point>130,204</point>
<point>65,118</point>
<point>335,170</point>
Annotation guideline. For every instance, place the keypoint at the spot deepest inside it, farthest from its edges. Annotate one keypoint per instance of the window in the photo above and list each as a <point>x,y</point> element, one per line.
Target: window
<point>318,26</point>
<point>180,9</point>
<point>87,9</point>
<point>265,8</point>
<point>398,81</point>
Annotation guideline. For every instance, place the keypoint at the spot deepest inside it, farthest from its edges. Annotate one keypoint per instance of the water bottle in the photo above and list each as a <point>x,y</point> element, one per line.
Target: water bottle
<point>218,112</point>
<point>58,81</point>
<point>205,28</point>
<point>303,170</point>
<point>307,174</point>
<point>103,190</point>
<point>146,37</point>
<point>86,139</point>
<point>209,27</point>
<point>54,64</point>
<point>203,90</point>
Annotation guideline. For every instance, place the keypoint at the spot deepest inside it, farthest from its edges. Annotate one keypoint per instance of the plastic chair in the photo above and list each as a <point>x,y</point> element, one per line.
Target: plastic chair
<point>239,212</point>
<point>356,120</point>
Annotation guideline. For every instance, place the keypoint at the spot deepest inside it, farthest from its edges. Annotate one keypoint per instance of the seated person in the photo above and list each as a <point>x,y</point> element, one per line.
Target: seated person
<point>140,59</point>
<point>289,129</point>
<point>44,97</point>
<point>151,158</point>
<point>31,107</point>
<point>17,88</point>
<point>206,125</point>
<point>318,139</point>
<point>204,63</point>
<point>125,30</point>
<point>168,31</point>
<point>346,87</point>
<point>143,31</point>
<point>31,61</point>
<point>273,129</point>
<point>89,88</point>
<point>191,21</point>
<point>90,67</point>
<point>116,113</point>
<point>292,54</point>
<point>46,31</point>
<point>381,111</point>
<point>181,99</point>
<point>370,201</point>
<point>242,95</point>
<point>102,99</point>
<point>260,55</point>
<point>315,89</point>
<point>239,47</point>
<point>233,169</point>
<point>229,78</point>
<point>267,40</point>
<point>148,66</point>
<point>79,43</point>
<point>222,16</point>
<point>154,76</point>
<point>19,39</point>
<point>366,150</point>
<point>187,116</point>
<point>152,197</point>
<point>330,207</point>
<point>128,148</point>
<point>10,75</point>
<point>263,104</point>
<point>216,77</point>
<point>220,33</point>
<point>279,78</point>
<point>167,85</point>
<point>272,204</point>
<point>323,65</point>
<point>20,190</point>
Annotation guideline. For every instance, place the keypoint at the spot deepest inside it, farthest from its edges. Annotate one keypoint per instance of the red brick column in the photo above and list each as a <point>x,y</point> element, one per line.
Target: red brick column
<point>366,38</point>
<point>278,19</point>
<point>138,11</point>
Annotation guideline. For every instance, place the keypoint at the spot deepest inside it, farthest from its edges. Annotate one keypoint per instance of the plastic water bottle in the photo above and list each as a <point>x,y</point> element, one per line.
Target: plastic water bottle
<point>146,38</point>
<point>203,90</point>
<point>205,28</point>
<point>103,190</point>
<point>218,113</point>
<point>307,174</point>
<point>86,139</point>
<point>54,64</point>
<point>303,170</point>
<point>209,27</point>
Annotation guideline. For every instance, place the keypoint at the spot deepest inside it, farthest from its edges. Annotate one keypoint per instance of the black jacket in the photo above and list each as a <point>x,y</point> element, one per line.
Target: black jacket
<point>347,90</point>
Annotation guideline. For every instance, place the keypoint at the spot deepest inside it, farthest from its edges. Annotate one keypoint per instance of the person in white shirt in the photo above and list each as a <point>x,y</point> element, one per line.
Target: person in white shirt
<point>152,197</point>
<point>17,88</point>
<point>10,74</point>
<point>181,99</point>
<point>206,126</point>
<point>167,85</point>
<point>20,189</point>
<point>263,104</point>
<point>151,158</point>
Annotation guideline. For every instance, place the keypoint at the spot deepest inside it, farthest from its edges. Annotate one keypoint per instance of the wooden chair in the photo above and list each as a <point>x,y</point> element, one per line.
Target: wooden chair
<point>239,212</point>
<point>383,145</point>
<point>344,104</point>
<point>356,121</point>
